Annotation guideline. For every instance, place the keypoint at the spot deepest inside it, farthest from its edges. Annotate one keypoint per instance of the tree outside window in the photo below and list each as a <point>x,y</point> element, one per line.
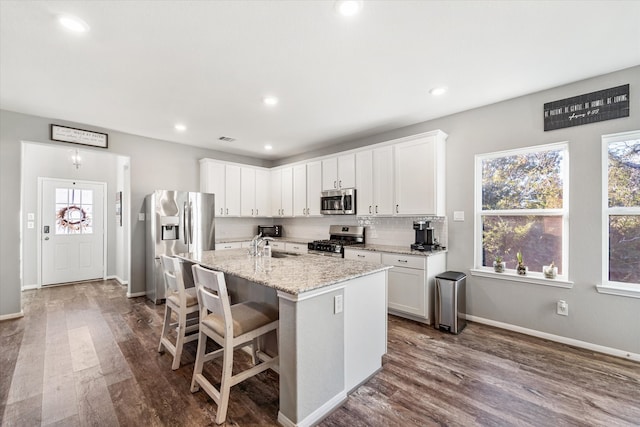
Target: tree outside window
<point>622,210</point>
<point>522,206</point>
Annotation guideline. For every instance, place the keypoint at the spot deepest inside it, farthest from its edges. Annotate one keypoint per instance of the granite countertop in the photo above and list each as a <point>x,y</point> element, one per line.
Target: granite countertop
<point>277,239</point>
<point>293,275</point>
<point>405,250</point>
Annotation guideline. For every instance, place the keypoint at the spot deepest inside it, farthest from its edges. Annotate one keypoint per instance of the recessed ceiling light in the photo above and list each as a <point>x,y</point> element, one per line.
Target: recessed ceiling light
<point>268,147</point>
<point>348,7</point>
<point>180,127</point>
<point>73,23</point>
<point>270,100</point>
<point>436,91</point>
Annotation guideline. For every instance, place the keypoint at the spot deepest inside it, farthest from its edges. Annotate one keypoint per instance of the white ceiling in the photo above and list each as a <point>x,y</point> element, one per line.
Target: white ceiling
<point>146,65</point>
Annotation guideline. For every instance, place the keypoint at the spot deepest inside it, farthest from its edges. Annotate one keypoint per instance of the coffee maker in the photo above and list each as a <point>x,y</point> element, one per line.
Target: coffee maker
<point>424,237</point>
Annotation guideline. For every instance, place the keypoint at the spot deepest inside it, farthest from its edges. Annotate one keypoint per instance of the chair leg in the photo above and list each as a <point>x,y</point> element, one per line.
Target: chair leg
<point>165,327</point>
<point>254,351</point>
<point>225,384</point>
<point>197,368</point>
<point>180,332</point>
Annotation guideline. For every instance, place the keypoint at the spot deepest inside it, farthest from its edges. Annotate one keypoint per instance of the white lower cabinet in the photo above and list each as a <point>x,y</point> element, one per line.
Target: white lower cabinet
<point>296,248</point>
<point>367,256</point>
<point>411,281</point>
<point>229,245</point>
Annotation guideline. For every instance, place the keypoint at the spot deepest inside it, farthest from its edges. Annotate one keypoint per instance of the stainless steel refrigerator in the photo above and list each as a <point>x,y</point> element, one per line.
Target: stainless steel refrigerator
<point>176,222</point>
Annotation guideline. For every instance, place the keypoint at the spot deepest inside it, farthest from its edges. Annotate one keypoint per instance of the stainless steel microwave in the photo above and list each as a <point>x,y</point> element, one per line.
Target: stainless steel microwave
<point>338,202</point>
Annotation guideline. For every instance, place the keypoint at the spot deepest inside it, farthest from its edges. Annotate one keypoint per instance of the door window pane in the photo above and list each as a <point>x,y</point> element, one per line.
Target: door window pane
<point>72,215</point>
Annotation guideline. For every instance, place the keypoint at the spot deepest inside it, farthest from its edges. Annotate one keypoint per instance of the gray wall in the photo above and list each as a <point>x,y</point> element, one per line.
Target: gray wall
<point>606,320</point>
<point>155,164</point>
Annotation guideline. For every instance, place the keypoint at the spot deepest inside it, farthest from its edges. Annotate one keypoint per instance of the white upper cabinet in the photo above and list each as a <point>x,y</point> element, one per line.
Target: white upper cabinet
<point>282,192</point>
<point>224,181</point>
<point>300,190</point>
<point>263,192</point>
<point>314,187</point>
<point>339,172</point>
<point>419,176</point>
<point>247,191</point>
<point>255,198</point>
<point>374,181</point>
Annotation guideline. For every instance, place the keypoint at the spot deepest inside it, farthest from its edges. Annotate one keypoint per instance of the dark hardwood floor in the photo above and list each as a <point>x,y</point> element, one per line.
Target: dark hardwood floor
<point>84,354</point>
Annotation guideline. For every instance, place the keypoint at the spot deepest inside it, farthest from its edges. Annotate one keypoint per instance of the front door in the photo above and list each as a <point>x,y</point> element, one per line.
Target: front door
<point>72,230</point>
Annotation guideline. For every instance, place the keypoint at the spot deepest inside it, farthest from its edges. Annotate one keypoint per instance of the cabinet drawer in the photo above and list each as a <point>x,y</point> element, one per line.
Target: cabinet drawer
<point>298,248</point>
<point>404,261</point>
<point>367,256</point>
<point>231,245</point>
<point>277,246</point>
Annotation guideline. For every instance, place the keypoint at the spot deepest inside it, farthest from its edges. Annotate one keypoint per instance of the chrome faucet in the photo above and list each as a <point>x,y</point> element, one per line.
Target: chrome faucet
<point>253,246</point>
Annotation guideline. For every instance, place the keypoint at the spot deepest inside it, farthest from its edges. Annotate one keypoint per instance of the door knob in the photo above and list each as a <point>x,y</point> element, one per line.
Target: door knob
<point>46,238</point>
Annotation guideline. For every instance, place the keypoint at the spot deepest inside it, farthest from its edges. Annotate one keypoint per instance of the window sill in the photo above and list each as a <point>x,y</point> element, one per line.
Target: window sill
<point>620,289</point>
<point>531,277</point>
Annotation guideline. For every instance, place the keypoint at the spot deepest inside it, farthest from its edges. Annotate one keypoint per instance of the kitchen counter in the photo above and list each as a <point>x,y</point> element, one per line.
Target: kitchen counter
<point>405,250</point>
<point>294,274</point>
<point>277,239</point>
<point>332,330</point>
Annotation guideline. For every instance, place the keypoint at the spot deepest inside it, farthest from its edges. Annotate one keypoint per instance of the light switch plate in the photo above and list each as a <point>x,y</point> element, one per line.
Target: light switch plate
<point>140,217</point>
<point>31,216</point>
<point>337,304</point>
<point>458,215</point>
<point>29,224</point>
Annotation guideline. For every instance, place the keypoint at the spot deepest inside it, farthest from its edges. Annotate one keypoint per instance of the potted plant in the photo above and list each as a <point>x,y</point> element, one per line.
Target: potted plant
<point>499,265</point>
<point>521,269</point>
<point>550,271</point>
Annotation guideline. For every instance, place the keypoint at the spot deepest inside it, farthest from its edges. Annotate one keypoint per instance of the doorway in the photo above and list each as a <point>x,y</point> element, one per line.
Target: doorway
<point>72,230</point>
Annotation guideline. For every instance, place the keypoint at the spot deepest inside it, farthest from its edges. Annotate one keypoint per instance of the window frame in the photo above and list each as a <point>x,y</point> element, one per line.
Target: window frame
<point>606,286</point>
<point>561,280</point>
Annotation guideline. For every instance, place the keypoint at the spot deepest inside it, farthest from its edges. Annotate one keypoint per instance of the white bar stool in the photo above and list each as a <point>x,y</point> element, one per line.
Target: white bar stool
<point>182,302</point>
<point>231,326</point>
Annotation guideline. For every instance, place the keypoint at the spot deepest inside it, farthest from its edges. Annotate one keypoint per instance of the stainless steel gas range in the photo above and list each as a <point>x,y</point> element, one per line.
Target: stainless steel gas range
<point>339,237</point>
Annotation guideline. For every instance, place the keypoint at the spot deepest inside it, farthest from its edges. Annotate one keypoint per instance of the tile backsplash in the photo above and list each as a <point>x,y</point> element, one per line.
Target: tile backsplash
<point>379,230</point>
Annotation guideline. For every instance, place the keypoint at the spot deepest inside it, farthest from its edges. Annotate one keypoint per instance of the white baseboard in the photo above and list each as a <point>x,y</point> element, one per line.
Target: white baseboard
<point>316,415</point>
<point>117,279</point>
<point>12,316</point>
<point>557,338</point>
<point>135,294</point>
<point>30,287</point>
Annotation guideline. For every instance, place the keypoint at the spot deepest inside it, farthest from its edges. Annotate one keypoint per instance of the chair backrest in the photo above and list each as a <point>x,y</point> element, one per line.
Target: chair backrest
<point>213,296</point>
<point>172,274</point>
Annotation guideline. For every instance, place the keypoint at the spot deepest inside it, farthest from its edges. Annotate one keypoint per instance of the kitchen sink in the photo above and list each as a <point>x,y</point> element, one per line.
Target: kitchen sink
<point>283,254</point>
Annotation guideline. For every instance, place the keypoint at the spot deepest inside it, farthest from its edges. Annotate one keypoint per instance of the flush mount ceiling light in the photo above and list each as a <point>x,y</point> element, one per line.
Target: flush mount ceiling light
<point>73,23</point>
<point>180,127</point>
<point>268,147</point>
<point>437,91</point>
<point>348,7</point>
<point>270,100</point>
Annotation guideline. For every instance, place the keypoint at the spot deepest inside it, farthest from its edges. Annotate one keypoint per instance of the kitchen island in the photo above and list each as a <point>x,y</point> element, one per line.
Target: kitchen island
<point>332,328</point>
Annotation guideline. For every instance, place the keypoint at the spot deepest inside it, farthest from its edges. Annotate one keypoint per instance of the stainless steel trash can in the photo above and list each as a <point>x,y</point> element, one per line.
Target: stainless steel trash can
<point>450,301</point>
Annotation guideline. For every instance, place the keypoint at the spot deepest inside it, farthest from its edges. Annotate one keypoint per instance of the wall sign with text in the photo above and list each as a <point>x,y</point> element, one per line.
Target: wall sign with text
<point>79,136</point>
<point>606,104</point>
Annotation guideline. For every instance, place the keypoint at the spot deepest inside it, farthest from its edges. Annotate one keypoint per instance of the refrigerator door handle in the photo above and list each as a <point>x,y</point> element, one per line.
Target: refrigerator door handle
<point>190,223</point>
<point>185,220</point>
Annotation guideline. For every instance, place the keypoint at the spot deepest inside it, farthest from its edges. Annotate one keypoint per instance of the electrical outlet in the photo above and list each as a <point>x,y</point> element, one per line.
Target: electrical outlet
<point>141,216</point>
<point>563,308</point>
<point>337,304</point>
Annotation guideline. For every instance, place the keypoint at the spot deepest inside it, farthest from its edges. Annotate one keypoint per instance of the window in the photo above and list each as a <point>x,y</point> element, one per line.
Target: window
<point>522,206</point>
<point>74,211</point>
<point>621,206</point>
